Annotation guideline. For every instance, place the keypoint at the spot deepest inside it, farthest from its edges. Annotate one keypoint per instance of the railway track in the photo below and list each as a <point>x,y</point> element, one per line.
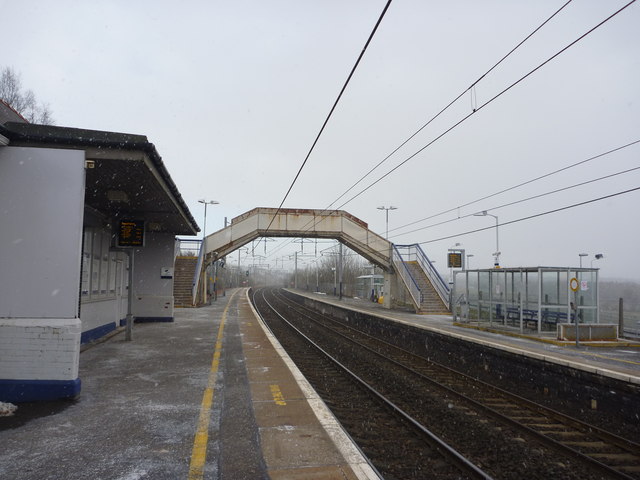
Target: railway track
<point>504,434</point>
<point>386,434</point>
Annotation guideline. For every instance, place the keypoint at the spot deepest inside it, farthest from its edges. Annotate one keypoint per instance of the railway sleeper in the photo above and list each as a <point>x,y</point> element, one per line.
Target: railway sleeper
<point>588,444</point>
<point>562,434</point>
<point>629,468</point>
<point>620,457</point>
<point>559,427</point>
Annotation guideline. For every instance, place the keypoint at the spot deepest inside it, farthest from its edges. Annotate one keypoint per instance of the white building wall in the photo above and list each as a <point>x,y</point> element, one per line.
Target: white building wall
<point>153,295</point>
<point>41,211</point>
<point>41,214</point>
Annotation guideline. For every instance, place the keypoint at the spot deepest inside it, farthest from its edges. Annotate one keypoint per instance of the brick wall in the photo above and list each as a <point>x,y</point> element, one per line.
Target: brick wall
<point>39,349</point>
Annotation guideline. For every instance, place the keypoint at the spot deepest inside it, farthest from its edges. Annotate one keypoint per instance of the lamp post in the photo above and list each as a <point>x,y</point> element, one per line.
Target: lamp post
<point>582,255</point>
<point>484,213</point>
<point>202,248</point>
<point>597,256</point>
<point>206,202</point>
<point>386,209</point>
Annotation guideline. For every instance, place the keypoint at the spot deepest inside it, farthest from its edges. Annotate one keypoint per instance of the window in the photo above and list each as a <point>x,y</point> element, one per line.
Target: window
<point>101,268</point>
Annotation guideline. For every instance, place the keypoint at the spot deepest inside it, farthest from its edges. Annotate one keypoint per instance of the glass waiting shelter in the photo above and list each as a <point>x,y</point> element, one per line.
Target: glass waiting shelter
<point>534,299</point>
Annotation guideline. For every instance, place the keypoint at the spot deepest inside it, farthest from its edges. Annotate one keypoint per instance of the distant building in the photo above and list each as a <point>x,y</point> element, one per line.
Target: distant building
<point>63,280</point>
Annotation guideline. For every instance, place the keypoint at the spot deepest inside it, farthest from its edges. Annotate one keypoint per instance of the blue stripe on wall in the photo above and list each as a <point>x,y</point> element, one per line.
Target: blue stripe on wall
<point>16,391</point>
<point>95,333</point>
<point>153,319</point>
<point>123,322</point>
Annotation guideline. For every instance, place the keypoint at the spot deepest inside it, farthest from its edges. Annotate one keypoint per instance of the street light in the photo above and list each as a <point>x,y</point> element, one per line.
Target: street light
<point>598,256</point>
<point>582,255</point>
<point>202,249</point>
<point>484,213</point>
<point>387,215</point>
<point>206,202</point>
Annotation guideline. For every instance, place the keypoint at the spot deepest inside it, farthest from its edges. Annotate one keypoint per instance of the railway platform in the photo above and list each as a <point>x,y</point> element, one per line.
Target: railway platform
<point>211,395</point>
<point>619,360</point>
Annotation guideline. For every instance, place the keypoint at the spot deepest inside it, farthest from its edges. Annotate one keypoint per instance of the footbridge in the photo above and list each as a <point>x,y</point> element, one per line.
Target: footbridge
<point>272,222</point>
<point>411,280</point>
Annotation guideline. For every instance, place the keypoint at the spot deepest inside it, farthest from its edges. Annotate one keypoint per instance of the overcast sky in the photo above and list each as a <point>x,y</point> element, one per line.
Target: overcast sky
<point>234,93</point>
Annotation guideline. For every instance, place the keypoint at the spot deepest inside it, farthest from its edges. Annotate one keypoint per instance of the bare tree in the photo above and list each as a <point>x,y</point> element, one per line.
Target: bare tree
<point>23,101</point>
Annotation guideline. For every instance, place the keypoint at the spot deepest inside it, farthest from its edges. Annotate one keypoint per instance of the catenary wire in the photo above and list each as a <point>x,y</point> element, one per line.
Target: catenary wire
<point>335,104</point>
<point>488,102</point>
<point>508,189</point>
<point>530,217</point>
<point>569,187</point>
<point>451,103</point>
<point>443,109</point>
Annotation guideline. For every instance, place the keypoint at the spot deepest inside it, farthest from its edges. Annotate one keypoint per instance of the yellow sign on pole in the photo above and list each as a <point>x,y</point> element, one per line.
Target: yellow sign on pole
<point>574,285</point>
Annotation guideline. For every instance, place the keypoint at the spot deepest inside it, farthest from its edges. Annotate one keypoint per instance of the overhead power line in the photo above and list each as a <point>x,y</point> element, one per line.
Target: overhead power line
<point>530,217</point>
<point>527,182</point>
<point>480,78</point>
<point>523,200</point>
<point>451,103</point>
<point>488,102</point>
<point>480,107</point>
<point>335,104</point>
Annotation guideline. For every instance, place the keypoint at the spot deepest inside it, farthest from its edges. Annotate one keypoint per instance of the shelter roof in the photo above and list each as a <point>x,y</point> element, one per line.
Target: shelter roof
<point>125,174</point>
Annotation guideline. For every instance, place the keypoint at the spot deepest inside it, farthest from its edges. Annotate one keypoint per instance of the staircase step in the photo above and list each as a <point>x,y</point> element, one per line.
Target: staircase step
<point>431,301</point>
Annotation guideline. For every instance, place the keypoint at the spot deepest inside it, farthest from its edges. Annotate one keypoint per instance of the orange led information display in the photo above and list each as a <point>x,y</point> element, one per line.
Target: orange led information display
<point>454,260</point>
<point>131,233</point>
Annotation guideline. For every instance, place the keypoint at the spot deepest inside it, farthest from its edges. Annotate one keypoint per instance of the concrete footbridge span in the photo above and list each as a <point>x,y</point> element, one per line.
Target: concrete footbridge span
<point>410,277</point>
<point>301,223</point>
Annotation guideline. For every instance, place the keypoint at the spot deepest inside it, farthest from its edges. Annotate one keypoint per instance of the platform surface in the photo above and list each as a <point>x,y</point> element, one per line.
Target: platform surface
<point>207,396</point>
<point>620,361</point>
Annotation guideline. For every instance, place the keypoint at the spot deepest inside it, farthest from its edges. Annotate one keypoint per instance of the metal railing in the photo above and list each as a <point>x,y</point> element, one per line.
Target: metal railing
<point>414,253</point>
<point>191,248</point>
<point>410,282</point>
<point>197,274</point>
<point>441,287</point>
<point>187,247</point>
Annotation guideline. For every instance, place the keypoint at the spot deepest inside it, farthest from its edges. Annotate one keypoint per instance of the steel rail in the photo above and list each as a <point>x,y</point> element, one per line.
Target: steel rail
<point>459,460</point>
<point>571,422</point>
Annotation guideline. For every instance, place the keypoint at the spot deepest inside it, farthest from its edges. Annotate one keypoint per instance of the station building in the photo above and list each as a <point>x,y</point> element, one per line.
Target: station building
<point>64,195</point>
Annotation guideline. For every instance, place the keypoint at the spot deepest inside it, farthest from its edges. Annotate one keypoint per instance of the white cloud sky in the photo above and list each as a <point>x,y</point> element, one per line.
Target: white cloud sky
<point>233,94</point>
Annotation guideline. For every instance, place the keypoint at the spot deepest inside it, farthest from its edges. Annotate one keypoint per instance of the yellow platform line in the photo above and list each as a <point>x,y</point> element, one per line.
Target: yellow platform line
<point>613,359</point>
<point>199,451</point>
<point>276,393</point>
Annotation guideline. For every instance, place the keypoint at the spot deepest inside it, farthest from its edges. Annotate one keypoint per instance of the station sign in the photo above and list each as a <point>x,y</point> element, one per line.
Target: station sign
<point>131,233</point>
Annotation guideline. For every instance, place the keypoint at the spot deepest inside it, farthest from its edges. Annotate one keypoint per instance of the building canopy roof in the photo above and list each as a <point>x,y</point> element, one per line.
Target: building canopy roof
<point>125,175</point>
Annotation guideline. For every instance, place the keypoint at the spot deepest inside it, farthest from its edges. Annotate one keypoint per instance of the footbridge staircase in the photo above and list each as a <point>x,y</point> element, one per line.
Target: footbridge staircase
<point>429,292</point>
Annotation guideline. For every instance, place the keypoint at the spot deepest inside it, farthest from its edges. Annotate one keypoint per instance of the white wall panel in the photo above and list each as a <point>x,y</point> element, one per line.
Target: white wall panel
<point>41,212</point>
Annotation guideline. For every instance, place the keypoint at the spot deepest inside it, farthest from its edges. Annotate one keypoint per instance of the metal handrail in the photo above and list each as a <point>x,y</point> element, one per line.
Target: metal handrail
<point>416,254</point>
<point>407,278</point>
<point>197,274</point>
<point>188,247</point>
<point>441,287</point>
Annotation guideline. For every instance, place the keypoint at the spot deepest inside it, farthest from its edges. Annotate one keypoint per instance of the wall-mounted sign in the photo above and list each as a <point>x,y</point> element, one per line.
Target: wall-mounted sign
<point>166,272</point>
<point>574,285</point>
<point>131,233</point>
<point>454,260</point>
